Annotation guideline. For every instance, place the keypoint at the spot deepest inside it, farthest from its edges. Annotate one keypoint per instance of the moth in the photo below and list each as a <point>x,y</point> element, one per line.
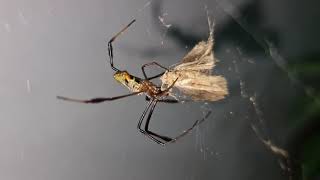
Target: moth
<point>193,73</point>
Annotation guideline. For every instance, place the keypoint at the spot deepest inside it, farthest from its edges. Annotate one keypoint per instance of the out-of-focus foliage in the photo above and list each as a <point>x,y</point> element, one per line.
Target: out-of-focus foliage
<point>311,158</point>
<point>306,114</point>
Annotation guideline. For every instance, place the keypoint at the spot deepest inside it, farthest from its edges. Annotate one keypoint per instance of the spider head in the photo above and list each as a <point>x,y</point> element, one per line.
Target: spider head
<point>123,77</point>
<point>127,80</point>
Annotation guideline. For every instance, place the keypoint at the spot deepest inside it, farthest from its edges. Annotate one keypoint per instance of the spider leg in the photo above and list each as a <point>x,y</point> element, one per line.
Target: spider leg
<point>170,101</point>
<point>156,76</point>
<point>143,115</point>
<point>97,100</point>
<point>110,48</point>
<point>153,136</point>
<point>187,131</point>
<point>165,138</point>
<point>149,64</point>
<point>151,103</point>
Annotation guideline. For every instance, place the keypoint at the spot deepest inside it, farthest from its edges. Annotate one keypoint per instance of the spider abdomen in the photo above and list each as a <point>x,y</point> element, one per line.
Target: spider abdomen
<point>150,89</point>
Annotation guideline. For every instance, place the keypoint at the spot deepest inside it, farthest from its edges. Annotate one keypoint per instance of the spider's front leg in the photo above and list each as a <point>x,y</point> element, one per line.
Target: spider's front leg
<point>110,48</point>
<point>170,101</point>
<point>96,100</point>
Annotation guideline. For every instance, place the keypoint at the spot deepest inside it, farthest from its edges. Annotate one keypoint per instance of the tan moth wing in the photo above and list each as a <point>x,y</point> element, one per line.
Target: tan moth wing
<point>201,57</point>
<point>193,73</point>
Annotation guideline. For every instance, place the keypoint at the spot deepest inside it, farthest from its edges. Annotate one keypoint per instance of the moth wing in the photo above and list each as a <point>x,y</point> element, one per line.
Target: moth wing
<point>202,87</point>
<point>201,57</point>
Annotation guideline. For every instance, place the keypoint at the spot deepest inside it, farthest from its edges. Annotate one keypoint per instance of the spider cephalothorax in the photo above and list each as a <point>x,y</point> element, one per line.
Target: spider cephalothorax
<point>131,82</point>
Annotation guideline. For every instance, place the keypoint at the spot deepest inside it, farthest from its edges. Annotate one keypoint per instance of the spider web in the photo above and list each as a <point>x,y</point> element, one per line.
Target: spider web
<point>258,124</point>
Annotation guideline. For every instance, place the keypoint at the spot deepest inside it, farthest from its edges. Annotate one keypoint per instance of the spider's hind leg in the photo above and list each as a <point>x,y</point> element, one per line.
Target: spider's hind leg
<point>187,131</point>
<point>159,139</point>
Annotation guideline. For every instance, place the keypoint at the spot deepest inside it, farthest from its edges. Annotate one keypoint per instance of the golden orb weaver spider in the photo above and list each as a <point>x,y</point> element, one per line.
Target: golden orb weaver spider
<point>136,85</point>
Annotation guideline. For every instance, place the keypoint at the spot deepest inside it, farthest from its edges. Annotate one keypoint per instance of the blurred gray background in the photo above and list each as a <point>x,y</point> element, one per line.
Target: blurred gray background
<point>51,48</point>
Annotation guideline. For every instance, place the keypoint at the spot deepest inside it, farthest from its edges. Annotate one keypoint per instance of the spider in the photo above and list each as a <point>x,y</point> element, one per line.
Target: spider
<point>137,86</point>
